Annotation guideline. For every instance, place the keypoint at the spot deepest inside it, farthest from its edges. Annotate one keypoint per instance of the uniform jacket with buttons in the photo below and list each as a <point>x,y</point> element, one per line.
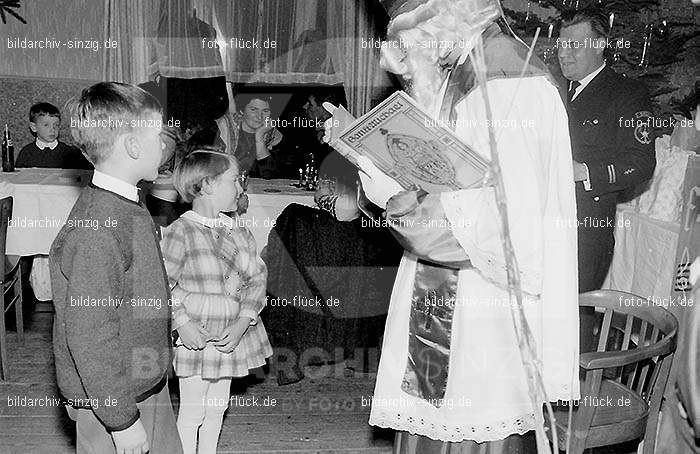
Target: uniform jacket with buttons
<point>609,123</point>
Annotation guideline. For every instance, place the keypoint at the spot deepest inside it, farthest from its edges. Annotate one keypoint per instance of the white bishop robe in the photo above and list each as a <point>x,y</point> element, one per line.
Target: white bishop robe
<point>486,397</point>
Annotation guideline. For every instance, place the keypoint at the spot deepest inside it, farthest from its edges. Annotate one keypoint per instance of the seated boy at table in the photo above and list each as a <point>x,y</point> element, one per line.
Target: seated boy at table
<point>47,150</point>
<point>112,334</point>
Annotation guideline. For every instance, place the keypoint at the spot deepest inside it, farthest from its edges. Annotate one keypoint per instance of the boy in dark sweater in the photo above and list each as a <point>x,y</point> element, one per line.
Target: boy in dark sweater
<point>112,333</point>
<point>47,150</point>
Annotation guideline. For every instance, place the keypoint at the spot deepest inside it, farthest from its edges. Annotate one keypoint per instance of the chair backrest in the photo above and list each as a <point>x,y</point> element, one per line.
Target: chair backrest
<point>5,216</point>
<point>688,378</point>
<point>629,323</point>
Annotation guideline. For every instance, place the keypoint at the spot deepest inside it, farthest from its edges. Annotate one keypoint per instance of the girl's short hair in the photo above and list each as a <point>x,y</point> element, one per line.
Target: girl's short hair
<point>198,168</point>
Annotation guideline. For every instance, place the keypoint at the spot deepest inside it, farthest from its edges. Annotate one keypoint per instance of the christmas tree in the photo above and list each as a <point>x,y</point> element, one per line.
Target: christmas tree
<point>8,7</point>
<point>655,41</point>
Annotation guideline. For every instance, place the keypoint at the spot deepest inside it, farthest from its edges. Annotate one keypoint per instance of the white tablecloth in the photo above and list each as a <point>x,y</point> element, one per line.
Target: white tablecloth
<point>267,200</point>
<point>43,199</point>
<point>264,210</point>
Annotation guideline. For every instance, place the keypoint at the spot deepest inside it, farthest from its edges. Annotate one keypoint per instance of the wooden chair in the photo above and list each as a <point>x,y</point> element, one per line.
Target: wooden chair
<point>11,284</point>
<point>622,383</point>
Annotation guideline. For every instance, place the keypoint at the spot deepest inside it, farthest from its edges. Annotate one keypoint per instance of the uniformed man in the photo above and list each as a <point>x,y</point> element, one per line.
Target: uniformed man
<point>611,139</point>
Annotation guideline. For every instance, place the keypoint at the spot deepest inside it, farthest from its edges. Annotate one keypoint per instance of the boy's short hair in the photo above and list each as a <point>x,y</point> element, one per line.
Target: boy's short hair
<point>197,168</point>
<point>105,111</point>
<point>43,108</point>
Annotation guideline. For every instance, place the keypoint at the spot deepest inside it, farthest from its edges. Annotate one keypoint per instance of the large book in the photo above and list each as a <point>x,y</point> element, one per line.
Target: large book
<point>409,145</point>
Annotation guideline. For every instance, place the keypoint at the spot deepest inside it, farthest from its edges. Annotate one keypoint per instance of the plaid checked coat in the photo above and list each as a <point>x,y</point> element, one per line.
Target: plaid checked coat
<point>215,274</point>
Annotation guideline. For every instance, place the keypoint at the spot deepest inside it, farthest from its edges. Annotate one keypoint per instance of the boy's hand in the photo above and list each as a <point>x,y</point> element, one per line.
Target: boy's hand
<point>132,440</point>
<point>232,335</point>
<point>193,335</point>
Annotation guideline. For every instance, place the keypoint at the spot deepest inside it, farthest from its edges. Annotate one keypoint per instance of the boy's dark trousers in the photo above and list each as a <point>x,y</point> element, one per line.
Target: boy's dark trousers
<point>157,417</point>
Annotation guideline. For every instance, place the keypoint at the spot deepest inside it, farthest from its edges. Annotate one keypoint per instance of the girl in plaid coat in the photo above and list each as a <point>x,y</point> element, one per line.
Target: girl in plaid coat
<point>218,284</point>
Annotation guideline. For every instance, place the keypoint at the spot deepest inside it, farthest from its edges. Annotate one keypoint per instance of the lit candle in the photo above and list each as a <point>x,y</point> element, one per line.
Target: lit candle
<point>643,63</point>
<point>549,33</point>
<point>527,16</point>
<point>611,19</point>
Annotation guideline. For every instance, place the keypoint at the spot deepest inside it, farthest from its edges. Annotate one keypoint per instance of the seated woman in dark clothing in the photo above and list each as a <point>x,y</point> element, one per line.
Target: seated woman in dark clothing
<point>250,135</point>
<point>329,279</point>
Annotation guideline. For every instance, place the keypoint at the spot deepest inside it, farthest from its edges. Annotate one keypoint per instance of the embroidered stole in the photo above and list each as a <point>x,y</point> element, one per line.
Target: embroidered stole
<point>435,286</point>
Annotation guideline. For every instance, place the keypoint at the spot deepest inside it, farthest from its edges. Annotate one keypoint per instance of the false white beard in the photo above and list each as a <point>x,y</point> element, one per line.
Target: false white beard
<point>430,39</point>
<point>420,68</point>
<point>424,86</point>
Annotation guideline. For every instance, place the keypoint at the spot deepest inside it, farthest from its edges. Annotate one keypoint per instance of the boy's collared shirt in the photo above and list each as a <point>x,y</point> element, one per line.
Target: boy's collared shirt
<point>112,184</point>
<point>40,144</point>
<point>54,155</point>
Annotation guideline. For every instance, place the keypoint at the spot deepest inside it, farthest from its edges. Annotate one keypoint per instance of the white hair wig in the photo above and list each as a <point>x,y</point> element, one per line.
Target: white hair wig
<point>424,37</point>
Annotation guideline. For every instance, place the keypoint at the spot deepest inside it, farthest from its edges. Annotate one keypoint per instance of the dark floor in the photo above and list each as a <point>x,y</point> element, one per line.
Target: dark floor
<point>323,414</point>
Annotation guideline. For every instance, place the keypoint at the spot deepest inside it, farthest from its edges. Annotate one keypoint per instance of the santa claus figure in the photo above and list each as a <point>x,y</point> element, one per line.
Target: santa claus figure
<point>451,376</point>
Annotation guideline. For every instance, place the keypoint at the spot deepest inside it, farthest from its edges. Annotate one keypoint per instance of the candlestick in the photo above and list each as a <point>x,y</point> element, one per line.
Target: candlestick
<point>527,15</point>
<point>643,62</point>
<point>548,51</point>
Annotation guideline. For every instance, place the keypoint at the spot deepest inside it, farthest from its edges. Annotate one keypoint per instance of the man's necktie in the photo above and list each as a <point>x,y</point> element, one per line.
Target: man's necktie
<point>572,90</point>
